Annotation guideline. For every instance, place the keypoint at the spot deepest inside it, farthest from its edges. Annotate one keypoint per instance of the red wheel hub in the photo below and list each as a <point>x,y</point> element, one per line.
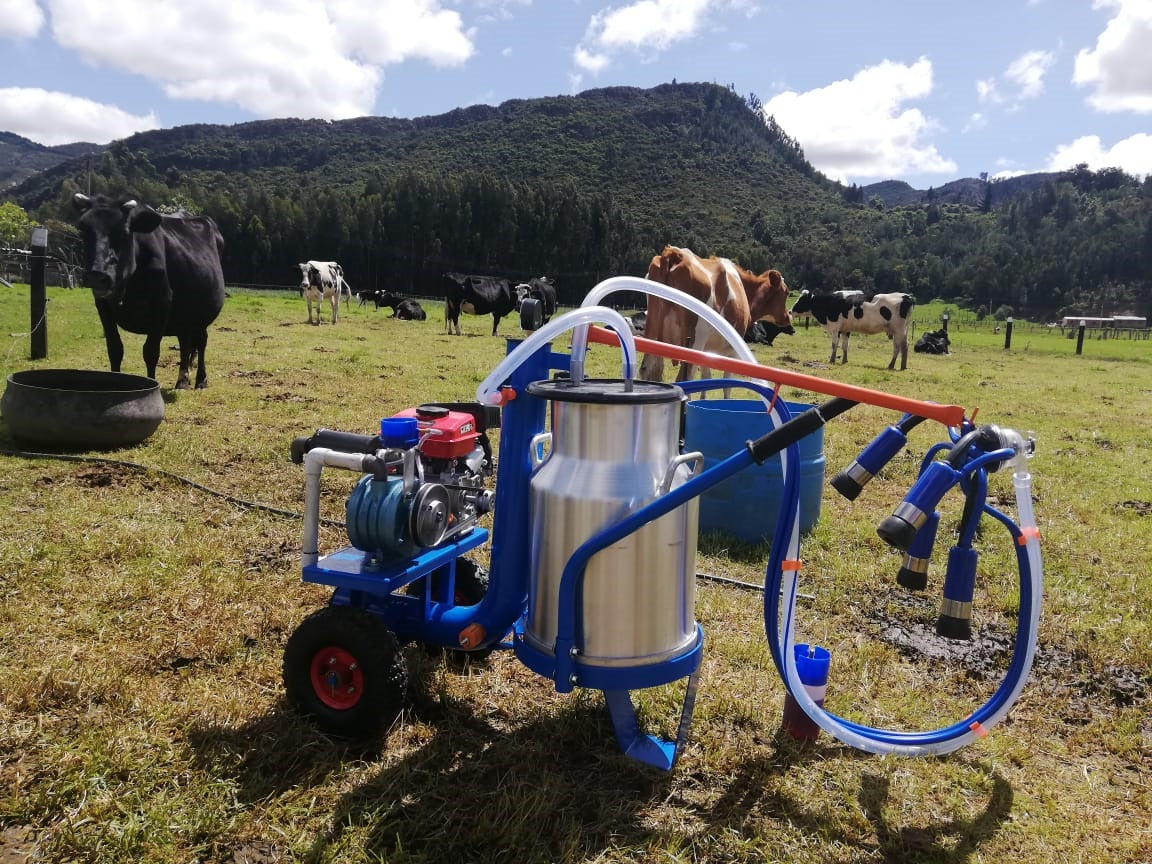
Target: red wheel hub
<point>337,678</point>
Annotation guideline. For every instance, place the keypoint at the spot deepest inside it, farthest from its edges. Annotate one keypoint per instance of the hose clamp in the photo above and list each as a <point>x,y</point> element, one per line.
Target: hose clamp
<point>911,514</point>
<point>916,565</point>
<point>956,609</point>
<point>858,473</point>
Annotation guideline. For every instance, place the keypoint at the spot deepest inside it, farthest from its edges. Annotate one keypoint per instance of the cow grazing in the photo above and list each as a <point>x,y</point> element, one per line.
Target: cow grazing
<point>540,288</point>
<point>322,281</point>
<point>406,309</point>
<point>765,332</point>
<point>845,312</point>
<point>477,295</point>
<point>740,296</point>
<point>933,342</point>
<point>152,274</point>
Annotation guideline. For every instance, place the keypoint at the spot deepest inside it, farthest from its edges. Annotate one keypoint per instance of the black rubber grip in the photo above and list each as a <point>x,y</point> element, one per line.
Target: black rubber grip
<point>769,445</point>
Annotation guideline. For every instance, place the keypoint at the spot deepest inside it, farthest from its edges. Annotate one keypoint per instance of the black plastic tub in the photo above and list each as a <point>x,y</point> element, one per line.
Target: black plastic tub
<point>80,408</point>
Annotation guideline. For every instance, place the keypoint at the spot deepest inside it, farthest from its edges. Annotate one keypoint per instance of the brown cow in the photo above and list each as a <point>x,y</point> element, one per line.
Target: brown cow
<point>740,296</point>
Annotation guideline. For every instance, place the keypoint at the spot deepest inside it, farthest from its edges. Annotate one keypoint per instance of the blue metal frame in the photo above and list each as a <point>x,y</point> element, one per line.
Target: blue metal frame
<point>359,582</point>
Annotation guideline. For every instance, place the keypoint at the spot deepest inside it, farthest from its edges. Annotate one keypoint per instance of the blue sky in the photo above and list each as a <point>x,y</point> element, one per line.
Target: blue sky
<point>919,91</point>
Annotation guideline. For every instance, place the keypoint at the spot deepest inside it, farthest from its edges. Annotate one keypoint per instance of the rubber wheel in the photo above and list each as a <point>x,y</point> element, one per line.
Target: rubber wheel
<point>471,583</point>
<point>343,669</point>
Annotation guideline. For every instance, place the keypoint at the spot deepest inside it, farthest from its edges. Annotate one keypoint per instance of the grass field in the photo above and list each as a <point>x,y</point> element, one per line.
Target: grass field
<point>143,622</point>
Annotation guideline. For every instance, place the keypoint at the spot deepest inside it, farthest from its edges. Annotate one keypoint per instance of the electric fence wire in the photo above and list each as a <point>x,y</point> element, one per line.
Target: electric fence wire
<point>267,508</point>
<point>136,466</point>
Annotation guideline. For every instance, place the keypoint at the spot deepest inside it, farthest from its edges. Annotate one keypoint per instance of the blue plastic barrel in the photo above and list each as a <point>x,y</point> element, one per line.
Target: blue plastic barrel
<point>747,504</point>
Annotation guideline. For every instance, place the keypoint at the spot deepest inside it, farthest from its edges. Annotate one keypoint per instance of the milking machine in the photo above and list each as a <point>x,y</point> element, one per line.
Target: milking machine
<point>591,572</point>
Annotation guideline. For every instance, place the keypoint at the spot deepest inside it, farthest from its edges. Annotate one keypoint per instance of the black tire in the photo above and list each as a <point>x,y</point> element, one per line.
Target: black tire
<point>471,583</point>
<point>343,669</point>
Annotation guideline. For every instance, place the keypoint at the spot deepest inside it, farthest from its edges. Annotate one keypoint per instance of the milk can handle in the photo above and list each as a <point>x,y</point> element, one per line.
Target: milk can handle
<point>534,447</point>
<point>682,459</point>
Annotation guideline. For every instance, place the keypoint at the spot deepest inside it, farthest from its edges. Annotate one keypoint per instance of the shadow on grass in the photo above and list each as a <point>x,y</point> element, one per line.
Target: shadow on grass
<point>552,789</point>
<point>557,789</point>
<point>755,789</point>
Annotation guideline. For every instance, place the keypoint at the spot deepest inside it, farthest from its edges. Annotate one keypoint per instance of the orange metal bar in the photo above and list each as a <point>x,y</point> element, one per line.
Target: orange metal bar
<point>949,415</point>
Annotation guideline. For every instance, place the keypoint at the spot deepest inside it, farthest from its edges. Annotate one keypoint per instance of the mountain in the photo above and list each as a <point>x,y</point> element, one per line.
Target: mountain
<point>655,151</point>
<point>968,191</point>
<point>21,158</point>
<point>579,187</point>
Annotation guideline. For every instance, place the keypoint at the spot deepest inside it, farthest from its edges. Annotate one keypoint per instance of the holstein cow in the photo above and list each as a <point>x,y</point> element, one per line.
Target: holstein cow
<point>845,312</point>
<point>540,288</point>
<point>477,295</point>
<point>739,295</point>
<point>323,281</point>
<point>933,342</point>
<point>406,309</point>
<point>152,274</point>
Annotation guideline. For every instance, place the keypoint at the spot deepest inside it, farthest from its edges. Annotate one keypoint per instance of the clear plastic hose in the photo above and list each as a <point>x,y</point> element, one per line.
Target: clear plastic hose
<point>488,393</point>
<point>664,292</point>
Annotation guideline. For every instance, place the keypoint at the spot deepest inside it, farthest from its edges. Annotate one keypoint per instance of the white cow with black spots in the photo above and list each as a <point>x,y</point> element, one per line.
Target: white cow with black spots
<point>323,281</point>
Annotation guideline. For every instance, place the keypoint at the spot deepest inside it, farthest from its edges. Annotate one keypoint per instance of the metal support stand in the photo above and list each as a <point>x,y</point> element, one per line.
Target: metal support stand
<point>649,749</point>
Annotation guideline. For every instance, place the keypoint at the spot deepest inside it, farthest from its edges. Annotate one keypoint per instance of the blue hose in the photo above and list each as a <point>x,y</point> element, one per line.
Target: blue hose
<point>906,741</point>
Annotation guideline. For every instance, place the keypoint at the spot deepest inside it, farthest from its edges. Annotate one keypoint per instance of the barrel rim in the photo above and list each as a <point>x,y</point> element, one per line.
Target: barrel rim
<point>590,391</point>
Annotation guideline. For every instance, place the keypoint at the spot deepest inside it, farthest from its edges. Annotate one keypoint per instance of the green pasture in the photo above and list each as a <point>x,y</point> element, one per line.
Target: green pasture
<point>145,603</point>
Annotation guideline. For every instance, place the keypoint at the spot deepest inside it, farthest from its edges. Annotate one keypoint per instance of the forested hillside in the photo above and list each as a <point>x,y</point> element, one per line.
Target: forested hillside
<point>21,158</point>
<point>587,186</point>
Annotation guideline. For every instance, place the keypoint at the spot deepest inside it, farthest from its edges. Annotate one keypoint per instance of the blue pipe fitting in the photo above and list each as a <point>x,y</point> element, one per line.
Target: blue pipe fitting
<point>913,574</point>
<point>955,621</point>
<point>900,528</point>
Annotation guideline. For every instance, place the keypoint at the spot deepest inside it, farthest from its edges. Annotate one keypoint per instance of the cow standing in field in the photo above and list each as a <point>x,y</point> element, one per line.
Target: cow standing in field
<point>322,281</point>
<point>152,274</point>
<point>739,295</point>
<point>477,295</point>
<point>842,313</point>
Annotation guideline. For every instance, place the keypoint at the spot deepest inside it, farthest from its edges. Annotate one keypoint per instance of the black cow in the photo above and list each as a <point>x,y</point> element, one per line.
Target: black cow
<point>152,274</point>
<point>540,288</point>
<point>765,332</point>
<point>406,309</point>
<point>933,342</point>
<point>477,295</point>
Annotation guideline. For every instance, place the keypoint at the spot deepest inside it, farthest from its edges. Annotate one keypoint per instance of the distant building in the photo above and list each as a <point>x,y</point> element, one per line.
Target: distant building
<point>1116,322</point>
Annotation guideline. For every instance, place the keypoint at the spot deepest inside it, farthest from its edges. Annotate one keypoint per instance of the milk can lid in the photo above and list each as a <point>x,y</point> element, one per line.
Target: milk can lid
<point>606,391</point>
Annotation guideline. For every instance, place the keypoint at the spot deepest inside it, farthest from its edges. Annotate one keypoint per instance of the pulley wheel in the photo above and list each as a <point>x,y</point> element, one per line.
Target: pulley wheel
<point>431,509</point>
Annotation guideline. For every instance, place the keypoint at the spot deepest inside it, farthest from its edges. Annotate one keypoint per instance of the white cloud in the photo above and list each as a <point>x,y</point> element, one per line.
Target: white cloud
<point>860,128</point>
<point>1027,72</point>
<point>1133,154</point>
<point>1119,68</point>
<point>648,27</point>
<point>976,120</point>
<point>1009,172</point>
<point>28,111</point>
<point>986,91</point>
<point>300,58</point>
<point>20,19</point>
